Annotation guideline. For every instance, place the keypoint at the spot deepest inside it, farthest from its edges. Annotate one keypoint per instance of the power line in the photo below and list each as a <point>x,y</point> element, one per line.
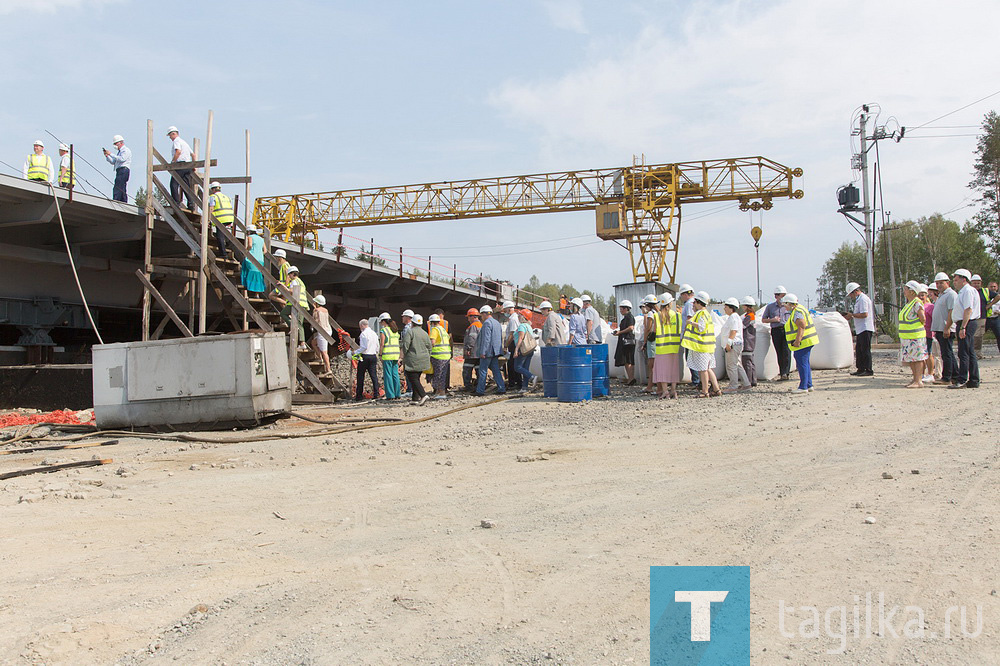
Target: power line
<point>938,136</point>
<point>982,99</point>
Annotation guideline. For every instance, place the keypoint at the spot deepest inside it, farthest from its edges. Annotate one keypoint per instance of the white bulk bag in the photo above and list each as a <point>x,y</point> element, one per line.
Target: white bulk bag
<point>835,348</point>
<point>765,358</point>
<point>720,346</point>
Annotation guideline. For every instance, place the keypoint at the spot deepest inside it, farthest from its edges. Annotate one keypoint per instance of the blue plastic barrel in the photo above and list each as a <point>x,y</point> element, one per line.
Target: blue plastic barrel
<point>600,370</point>
<point>550,371</point>
<point>575,374</point>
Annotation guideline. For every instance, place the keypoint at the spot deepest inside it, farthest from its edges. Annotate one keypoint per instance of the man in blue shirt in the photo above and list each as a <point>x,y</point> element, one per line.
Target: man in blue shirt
<point>776,315</point>
<point>489,347</point>
<point>122,163</point>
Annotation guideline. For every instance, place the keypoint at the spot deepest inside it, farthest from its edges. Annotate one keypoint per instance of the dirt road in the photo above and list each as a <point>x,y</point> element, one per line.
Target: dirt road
<point>369,548</point>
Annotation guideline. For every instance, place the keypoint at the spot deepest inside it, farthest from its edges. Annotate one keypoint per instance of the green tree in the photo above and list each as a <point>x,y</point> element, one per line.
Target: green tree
<point>846,264</point>
<point>986,182</point>
<point>140,198</point>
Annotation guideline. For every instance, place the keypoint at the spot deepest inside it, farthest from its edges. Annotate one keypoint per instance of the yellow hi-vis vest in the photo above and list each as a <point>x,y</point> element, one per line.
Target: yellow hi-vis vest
<point>390,350</point>
<point>39,167</point>
<point>69,178</point>
<point>441,349</point>
<point>223,208</point>
<point>910,327</point>
<point>809,335</point>
<point>700,342</point>
<point>668,337</point>
<point>989,311</point>
<point>303,296</point>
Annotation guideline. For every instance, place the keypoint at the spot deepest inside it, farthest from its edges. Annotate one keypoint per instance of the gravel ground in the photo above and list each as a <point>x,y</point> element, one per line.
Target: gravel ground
<point>519,532</point>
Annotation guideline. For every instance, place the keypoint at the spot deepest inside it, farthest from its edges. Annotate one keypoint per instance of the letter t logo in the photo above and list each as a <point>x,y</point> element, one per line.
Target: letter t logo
<point>701,610</point>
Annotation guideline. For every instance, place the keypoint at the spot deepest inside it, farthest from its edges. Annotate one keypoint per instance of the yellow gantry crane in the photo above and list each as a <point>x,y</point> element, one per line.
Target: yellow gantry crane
<point>640,204</point>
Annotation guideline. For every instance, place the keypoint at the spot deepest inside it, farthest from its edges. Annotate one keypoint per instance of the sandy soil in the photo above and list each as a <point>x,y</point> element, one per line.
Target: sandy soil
<point>368,548</point>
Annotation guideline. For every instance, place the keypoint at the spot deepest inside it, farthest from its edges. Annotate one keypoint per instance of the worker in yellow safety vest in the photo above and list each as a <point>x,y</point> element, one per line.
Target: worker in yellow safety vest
<point>222,214</point>
<point>912,334</point>
<point>440,356</point>
<point>389,346</point>
<point>38,165</point>
<point>303,300</point>
<point>800,334</point>
<point>67,170</point>
<point>699,339</point>
<point>667,345</point>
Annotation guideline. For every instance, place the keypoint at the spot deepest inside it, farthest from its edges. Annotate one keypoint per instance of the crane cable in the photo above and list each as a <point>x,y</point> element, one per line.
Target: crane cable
<point>72,264</point>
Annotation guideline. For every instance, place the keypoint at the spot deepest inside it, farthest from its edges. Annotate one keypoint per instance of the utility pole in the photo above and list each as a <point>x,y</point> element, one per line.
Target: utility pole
<point>866,209</point>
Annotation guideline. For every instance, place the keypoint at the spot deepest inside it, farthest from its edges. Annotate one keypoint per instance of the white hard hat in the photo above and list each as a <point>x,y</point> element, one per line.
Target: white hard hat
<point>486,309</point>
<point>433,318</point>
<point>407,313</point>
<point>39,143</point>
<point>975,276</point>
<point>703,297</point>
<point>293,269</point>
<point>790,298</point>
<point>319,300</point>
<point>384,316</point>
<point>117,137</point>
<point>215,185</point>
<point>418,319</point>
<point>942,276</point>
<point>732,302</point>
<point>63,146</point>
<point>172,129</point>
<point>922,289</point>
<point>507,304</point>
<point>851,286</point>
<point>625,304</point>
<point>585,298</point>
<point>544,304</point>
<point>665,299</point>
<point>279,253</point>
<point>964,273</point>
<point>780,289</point>
<point>685,288</point>
<point>913,286</point>
<point>649,299</point>
<point>577,302</point>
<point>748,300</point>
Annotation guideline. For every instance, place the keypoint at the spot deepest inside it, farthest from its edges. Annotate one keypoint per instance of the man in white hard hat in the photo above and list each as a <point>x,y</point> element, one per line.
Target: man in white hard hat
<point>984,310</point>
<point>222,215</point>
<point>294,283</point>
<point>38,165</point>
<point>121,162</point>
<point>863,317</point>
<point>282,261</point>
<point>592,319</point>
<point>67,168</point>
<point>965,316</point>
<point>992,321</point>
<point>512,321</point>
<point>555,330</point>
<point>776,315</point>
<point>489,347</point>
<point>180,152</point>
<point>625,350</point>
<point>749,306</point>
<point>942,330</point>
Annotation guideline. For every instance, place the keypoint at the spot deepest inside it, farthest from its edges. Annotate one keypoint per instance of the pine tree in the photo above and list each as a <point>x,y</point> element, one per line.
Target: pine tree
<point>986,182</point>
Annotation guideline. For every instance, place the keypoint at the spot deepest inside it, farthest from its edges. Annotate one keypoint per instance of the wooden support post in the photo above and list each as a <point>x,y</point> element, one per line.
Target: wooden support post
<point>163,303</point>
<point>246,186</point>
<point>428,269</point>
<point>400,262</point>
<point>203,273</point>
<point>293,339</point>
<point>371,256</point>
<point>148,246</point>
<point>454,277</point>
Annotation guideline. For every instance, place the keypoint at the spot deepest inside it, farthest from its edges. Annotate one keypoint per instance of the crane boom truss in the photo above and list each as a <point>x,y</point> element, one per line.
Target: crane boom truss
<point>648,198</point>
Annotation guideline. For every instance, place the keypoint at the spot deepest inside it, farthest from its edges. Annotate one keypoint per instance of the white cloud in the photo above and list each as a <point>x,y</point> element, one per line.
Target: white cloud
<point>48,6</point>
<point>778,79</point>
<point>566,15</point>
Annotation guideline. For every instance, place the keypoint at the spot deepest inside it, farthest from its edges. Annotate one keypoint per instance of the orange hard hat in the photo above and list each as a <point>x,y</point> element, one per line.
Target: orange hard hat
<point>473,312</point>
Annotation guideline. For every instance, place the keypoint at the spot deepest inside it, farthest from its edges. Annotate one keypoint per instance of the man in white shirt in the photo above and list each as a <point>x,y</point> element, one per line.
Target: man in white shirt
<point>180,152</point>
<point>942,329</point>
<point>67,178</point>
<point>965,316</point>
<point>367,354</point>
<point>864,328</point>
<point>592,319</point>
<point>509,335</point>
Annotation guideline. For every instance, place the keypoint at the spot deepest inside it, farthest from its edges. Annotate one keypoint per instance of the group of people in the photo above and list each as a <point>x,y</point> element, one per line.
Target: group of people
<point>39,167</point>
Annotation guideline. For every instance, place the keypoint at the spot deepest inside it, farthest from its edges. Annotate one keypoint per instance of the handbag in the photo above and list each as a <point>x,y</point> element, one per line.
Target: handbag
<point>528,345</point>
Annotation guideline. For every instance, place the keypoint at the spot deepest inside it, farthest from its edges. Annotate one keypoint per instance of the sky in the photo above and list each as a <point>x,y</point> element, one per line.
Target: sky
<point>344,95</point>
